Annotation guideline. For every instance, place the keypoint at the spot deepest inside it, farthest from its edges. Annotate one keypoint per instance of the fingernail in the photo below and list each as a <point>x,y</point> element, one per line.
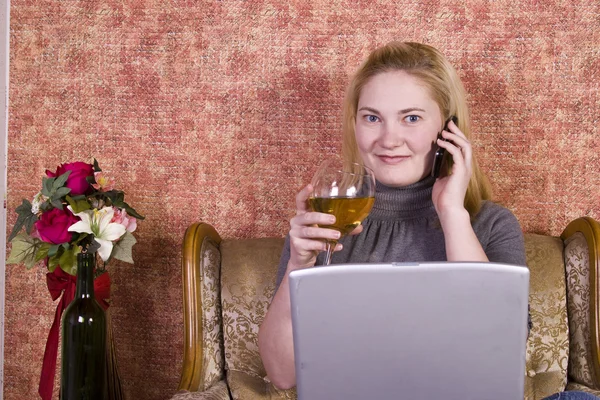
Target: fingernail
<point>337,235</point>
<point>331,219</point>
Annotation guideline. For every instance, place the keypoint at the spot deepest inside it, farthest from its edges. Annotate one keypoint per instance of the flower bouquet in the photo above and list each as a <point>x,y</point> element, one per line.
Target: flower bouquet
<point>77,210</point>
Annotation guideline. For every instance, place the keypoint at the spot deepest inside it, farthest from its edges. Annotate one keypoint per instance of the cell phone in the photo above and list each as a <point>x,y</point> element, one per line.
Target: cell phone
<point>440,152</point>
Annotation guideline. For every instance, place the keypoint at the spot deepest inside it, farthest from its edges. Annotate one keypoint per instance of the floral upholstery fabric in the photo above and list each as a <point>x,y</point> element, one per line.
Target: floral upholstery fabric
<point>245,386</point>
<point>582,388</point>
<point>218,391</point>
<point>247,285</point>
<point>578,285</point>
<point>212,334</point>
<point>548,345</point>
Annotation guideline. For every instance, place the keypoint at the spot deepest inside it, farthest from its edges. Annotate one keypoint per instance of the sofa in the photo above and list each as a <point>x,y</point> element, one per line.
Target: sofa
<point>228,283</point>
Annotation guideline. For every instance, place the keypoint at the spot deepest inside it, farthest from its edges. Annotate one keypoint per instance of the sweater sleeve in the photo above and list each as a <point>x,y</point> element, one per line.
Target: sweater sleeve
<point>502,238</point>
<point>500,234</point>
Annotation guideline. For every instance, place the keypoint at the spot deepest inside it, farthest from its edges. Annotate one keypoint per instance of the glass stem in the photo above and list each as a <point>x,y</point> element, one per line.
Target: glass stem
<point>330,246</point>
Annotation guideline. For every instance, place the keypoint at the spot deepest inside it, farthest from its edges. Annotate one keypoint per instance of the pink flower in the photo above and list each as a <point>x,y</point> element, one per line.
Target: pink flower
<point>121,217</point>
<point>76,181</point>
<point>102,182</point>
<point>52,226</point>
<point>34,232</point>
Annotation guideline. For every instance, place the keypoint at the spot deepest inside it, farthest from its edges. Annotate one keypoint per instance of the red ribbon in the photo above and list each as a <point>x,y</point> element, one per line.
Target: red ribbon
<point>59,282</point>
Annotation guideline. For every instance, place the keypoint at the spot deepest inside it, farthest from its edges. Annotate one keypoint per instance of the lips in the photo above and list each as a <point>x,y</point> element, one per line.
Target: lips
<point>392,160</point>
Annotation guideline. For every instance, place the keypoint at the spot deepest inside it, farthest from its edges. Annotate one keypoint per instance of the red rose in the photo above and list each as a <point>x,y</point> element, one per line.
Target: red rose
<point>77,179</point>
<point>52,226</point>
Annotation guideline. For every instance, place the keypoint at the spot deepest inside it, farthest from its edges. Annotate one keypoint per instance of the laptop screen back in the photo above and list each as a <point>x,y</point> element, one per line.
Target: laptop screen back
<point>407,330</point>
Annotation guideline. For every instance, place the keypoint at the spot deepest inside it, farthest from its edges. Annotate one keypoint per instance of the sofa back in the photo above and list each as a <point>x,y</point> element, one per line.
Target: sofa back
<point>248,273</point>
<point>548,343</point>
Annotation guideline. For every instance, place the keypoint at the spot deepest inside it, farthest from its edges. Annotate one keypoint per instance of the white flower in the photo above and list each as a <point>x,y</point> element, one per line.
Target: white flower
<point>97,223</point>
<point>38,200</point>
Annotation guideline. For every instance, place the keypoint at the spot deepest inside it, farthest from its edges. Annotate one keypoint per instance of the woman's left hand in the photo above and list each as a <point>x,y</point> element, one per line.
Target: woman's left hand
<point>449,190</point>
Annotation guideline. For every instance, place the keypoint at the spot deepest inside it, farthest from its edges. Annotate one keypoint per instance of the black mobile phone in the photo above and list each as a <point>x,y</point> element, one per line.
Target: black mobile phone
<point>440,152</point>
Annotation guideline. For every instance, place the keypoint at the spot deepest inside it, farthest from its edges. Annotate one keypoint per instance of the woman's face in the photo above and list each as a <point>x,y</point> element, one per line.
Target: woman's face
<point>397,122</point>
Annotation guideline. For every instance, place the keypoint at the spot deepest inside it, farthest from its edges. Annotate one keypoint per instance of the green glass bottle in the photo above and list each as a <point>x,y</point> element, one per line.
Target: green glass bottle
<point>83,339</point>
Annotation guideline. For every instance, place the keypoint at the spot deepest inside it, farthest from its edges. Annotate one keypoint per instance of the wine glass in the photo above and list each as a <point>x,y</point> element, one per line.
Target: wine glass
<point>346,190</point>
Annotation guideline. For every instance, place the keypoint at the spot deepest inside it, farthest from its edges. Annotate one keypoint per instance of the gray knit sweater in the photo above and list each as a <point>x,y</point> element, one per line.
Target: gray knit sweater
<point>403,226</point>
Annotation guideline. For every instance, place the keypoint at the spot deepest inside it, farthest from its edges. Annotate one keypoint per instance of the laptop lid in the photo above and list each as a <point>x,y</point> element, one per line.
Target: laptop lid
<point>410,330</point>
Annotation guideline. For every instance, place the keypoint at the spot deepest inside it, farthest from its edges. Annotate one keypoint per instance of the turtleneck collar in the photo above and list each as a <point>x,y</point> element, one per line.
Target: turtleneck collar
<point>403,202</point>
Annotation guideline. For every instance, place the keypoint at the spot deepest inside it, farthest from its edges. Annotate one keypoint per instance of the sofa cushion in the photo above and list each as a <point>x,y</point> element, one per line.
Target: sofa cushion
<point>218,391</point>
<point>244,386</point>
<point>547,346</point>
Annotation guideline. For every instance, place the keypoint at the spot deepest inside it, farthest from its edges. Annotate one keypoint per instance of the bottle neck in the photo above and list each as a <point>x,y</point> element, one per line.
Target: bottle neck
<point>85,276</point>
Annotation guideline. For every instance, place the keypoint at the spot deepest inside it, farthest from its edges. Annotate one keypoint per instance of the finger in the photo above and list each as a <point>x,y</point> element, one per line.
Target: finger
<point>314,232</point>
<point>301,199</point>
<point>452,127</point>
<point>457,140</point>
<point>461,143</point>
<point>302,245</point>
<point>357,230</point>
<point>461,156</point>
<point>313,218</point>
<point>455,151</point>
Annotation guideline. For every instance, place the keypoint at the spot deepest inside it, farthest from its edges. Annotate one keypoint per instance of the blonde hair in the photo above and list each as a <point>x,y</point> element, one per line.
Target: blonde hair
<point>431,67</point>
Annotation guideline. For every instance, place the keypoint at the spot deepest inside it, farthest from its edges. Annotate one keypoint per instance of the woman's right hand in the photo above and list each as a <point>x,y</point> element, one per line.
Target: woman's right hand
<point>275,338</point>
<point>306,238</point>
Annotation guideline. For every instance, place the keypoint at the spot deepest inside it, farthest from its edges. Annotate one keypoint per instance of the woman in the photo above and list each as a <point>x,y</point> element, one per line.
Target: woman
<point>395,107</point>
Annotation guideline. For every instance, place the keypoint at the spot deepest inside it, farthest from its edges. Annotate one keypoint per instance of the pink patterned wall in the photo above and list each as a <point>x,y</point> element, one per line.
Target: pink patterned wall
<point>219,110</point>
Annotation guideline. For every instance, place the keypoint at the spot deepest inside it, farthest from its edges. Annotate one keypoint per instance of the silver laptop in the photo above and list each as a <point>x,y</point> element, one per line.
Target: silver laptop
<point>410,331</point>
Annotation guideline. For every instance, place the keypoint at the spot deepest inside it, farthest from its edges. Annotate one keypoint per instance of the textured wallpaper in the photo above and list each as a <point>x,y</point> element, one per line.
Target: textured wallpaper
<point>219,110</point>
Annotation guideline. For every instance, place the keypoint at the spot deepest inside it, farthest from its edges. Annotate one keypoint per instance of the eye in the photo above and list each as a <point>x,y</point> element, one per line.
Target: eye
<point>372,118</point>
<point>411,119</point>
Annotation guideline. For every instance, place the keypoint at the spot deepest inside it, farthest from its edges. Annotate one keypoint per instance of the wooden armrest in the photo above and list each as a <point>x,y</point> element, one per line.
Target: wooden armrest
<point>196,286</point>
<point>588,229</point>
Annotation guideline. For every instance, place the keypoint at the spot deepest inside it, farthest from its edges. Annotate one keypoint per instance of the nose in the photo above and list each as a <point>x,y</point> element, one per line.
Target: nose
<point>392,135</point>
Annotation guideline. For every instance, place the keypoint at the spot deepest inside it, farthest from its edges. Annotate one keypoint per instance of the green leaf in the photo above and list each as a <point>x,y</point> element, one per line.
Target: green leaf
<point>68,261</point>
<point>42,252</point>
<point>57,204</point>
<point>115,196</point>
<point>26,218</point>
<point>53,250</point>
<point>24,250</point>
<point>96,166</point>
<point>61,192</point>
<point>122,249</point>
<point>47,184</point>
<point>131,211</point>
<point>80,236</point>
<point>29,223</point>
<point>71,202</point>
<point>45,206</point>
<point>78,205</point>
<point>52,263</point>
<point>60,181</point>
<point>18,225</point>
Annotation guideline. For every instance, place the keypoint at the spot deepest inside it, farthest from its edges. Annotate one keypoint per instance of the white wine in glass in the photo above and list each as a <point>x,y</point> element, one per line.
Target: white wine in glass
<point>346,190</point>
